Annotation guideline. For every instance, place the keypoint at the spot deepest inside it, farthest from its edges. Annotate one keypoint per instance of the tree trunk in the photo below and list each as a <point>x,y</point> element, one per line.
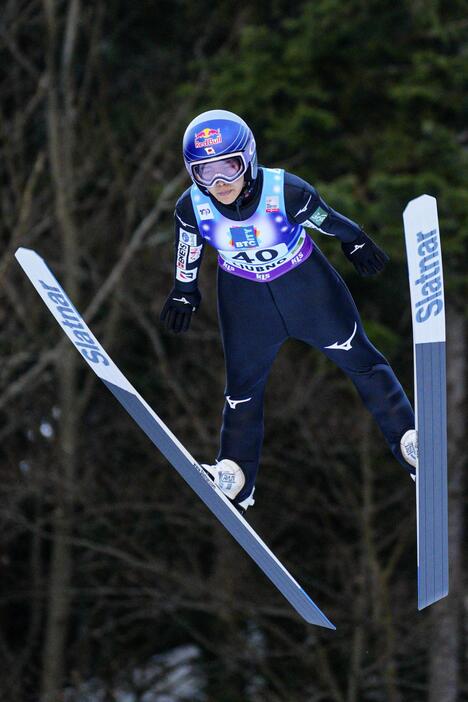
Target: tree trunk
<point>60,123</point>
<point>446,638</point>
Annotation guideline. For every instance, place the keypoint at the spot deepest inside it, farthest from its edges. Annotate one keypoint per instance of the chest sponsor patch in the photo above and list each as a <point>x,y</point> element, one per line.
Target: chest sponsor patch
<point>205,211</point>
<point>244,237</point>
<point>272,203</point>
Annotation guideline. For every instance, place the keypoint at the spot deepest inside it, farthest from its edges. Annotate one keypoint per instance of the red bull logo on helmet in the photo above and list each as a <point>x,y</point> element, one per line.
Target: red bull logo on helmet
<point>208,137</point>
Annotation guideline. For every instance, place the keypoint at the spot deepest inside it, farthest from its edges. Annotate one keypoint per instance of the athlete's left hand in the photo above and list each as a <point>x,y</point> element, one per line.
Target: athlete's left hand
<point>367,257</point>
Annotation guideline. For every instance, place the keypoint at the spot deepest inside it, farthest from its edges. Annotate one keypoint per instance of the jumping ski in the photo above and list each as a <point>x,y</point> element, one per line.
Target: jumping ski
<point>86,343</point>
<point>426,281</point>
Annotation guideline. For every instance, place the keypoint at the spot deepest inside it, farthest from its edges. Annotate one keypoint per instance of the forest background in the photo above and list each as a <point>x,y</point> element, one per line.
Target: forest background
<point>116,583</point>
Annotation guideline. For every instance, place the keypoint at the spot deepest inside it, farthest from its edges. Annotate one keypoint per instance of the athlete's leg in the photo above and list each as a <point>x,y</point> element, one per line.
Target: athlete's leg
<point>328,319</point>
<point>252,333</point>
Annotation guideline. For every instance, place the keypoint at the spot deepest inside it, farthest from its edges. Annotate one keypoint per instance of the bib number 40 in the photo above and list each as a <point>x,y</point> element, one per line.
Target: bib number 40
<point>260,256</point>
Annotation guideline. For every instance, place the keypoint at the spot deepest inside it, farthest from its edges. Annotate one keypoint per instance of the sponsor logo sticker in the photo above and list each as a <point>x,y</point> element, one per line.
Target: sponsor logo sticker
<point>318,216</point>
<point>182,252</point>
<point>194,253</point>
<point>244,237</point>
<point>82,337</point>
<point>186,276</point>
<point>431,301</point>
<point>189,238</point>
<point>205,211</point>
<point>272,203</point>
<point>208,137</point>
<point>297,259</point>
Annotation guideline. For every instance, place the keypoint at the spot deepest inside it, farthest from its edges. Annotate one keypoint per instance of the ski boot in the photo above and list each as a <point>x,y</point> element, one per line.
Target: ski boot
<point>230,479</point>
<point>409,448</point>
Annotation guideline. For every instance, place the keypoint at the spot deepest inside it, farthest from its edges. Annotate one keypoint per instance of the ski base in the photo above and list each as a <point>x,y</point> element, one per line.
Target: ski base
<point>97,358</point>
<point>432,474</point>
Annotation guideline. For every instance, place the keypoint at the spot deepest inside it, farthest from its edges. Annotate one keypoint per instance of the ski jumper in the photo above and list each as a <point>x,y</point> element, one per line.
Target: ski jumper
<point>273,284</point>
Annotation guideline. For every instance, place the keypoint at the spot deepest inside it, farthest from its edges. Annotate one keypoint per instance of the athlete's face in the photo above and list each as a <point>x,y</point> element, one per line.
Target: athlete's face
<point>227,193</point>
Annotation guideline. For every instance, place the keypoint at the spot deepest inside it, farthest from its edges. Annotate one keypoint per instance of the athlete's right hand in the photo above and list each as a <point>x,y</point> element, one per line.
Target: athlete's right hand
<point>178,309</point>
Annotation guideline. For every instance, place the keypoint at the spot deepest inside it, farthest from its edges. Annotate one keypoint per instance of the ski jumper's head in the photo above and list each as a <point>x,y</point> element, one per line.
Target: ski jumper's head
<point>220,154</point>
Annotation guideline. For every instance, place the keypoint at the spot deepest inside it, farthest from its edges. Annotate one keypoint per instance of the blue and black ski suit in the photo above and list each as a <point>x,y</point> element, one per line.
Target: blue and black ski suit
<point>273,284</point>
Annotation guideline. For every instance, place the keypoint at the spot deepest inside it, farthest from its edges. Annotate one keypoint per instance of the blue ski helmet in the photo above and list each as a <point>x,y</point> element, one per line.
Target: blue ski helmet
<point>219,145</point>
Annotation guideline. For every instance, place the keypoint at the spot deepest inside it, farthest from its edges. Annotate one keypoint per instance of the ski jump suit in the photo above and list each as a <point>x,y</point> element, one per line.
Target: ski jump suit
<point>273,284</point>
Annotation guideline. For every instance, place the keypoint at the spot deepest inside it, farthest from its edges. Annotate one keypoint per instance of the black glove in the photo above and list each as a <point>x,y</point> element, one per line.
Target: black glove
<point>178,308</point>
<point>367,257</point>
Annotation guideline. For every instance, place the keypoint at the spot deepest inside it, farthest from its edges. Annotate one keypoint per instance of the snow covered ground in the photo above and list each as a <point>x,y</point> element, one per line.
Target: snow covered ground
<point>169,677</point>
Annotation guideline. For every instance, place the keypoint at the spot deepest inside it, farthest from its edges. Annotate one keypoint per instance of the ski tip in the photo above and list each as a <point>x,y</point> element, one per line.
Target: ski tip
<point>421,199</point>
<point>23,253</point>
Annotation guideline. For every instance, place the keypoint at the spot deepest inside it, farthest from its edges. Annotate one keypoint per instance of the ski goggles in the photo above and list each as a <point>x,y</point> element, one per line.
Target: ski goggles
<point>228,170</point>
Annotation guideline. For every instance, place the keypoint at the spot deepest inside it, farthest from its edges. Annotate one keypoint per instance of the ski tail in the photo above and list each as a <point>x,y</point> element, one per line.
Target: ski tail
<point>423,247</point>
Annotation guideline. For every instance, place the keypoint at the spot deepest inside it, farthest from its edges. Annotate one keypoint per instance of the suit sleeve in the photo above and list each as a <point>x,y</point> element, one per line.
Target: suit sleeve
<point>305,206</point>
<point>188,246</point>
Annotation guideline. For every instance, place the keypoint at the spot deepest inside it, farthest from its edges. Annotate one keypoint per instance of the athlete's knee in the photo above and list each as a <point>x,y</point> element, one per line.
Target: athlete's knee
<point>383,369</point>
<point>382,392</point>
<point>383,374</point>
<point>244,378</point>
<point>246,396</point>
<point>379,368</point>
<point>240,401</point>
<point>367,370</point>
<point>243,419</point>
<point>379,376</point>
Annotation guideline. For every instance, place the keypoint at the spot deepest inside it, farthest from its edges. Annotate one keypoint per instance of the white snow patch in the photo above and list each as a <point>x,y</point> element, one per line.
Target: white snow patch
<point>168,677</point>
<point>46,429</point>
